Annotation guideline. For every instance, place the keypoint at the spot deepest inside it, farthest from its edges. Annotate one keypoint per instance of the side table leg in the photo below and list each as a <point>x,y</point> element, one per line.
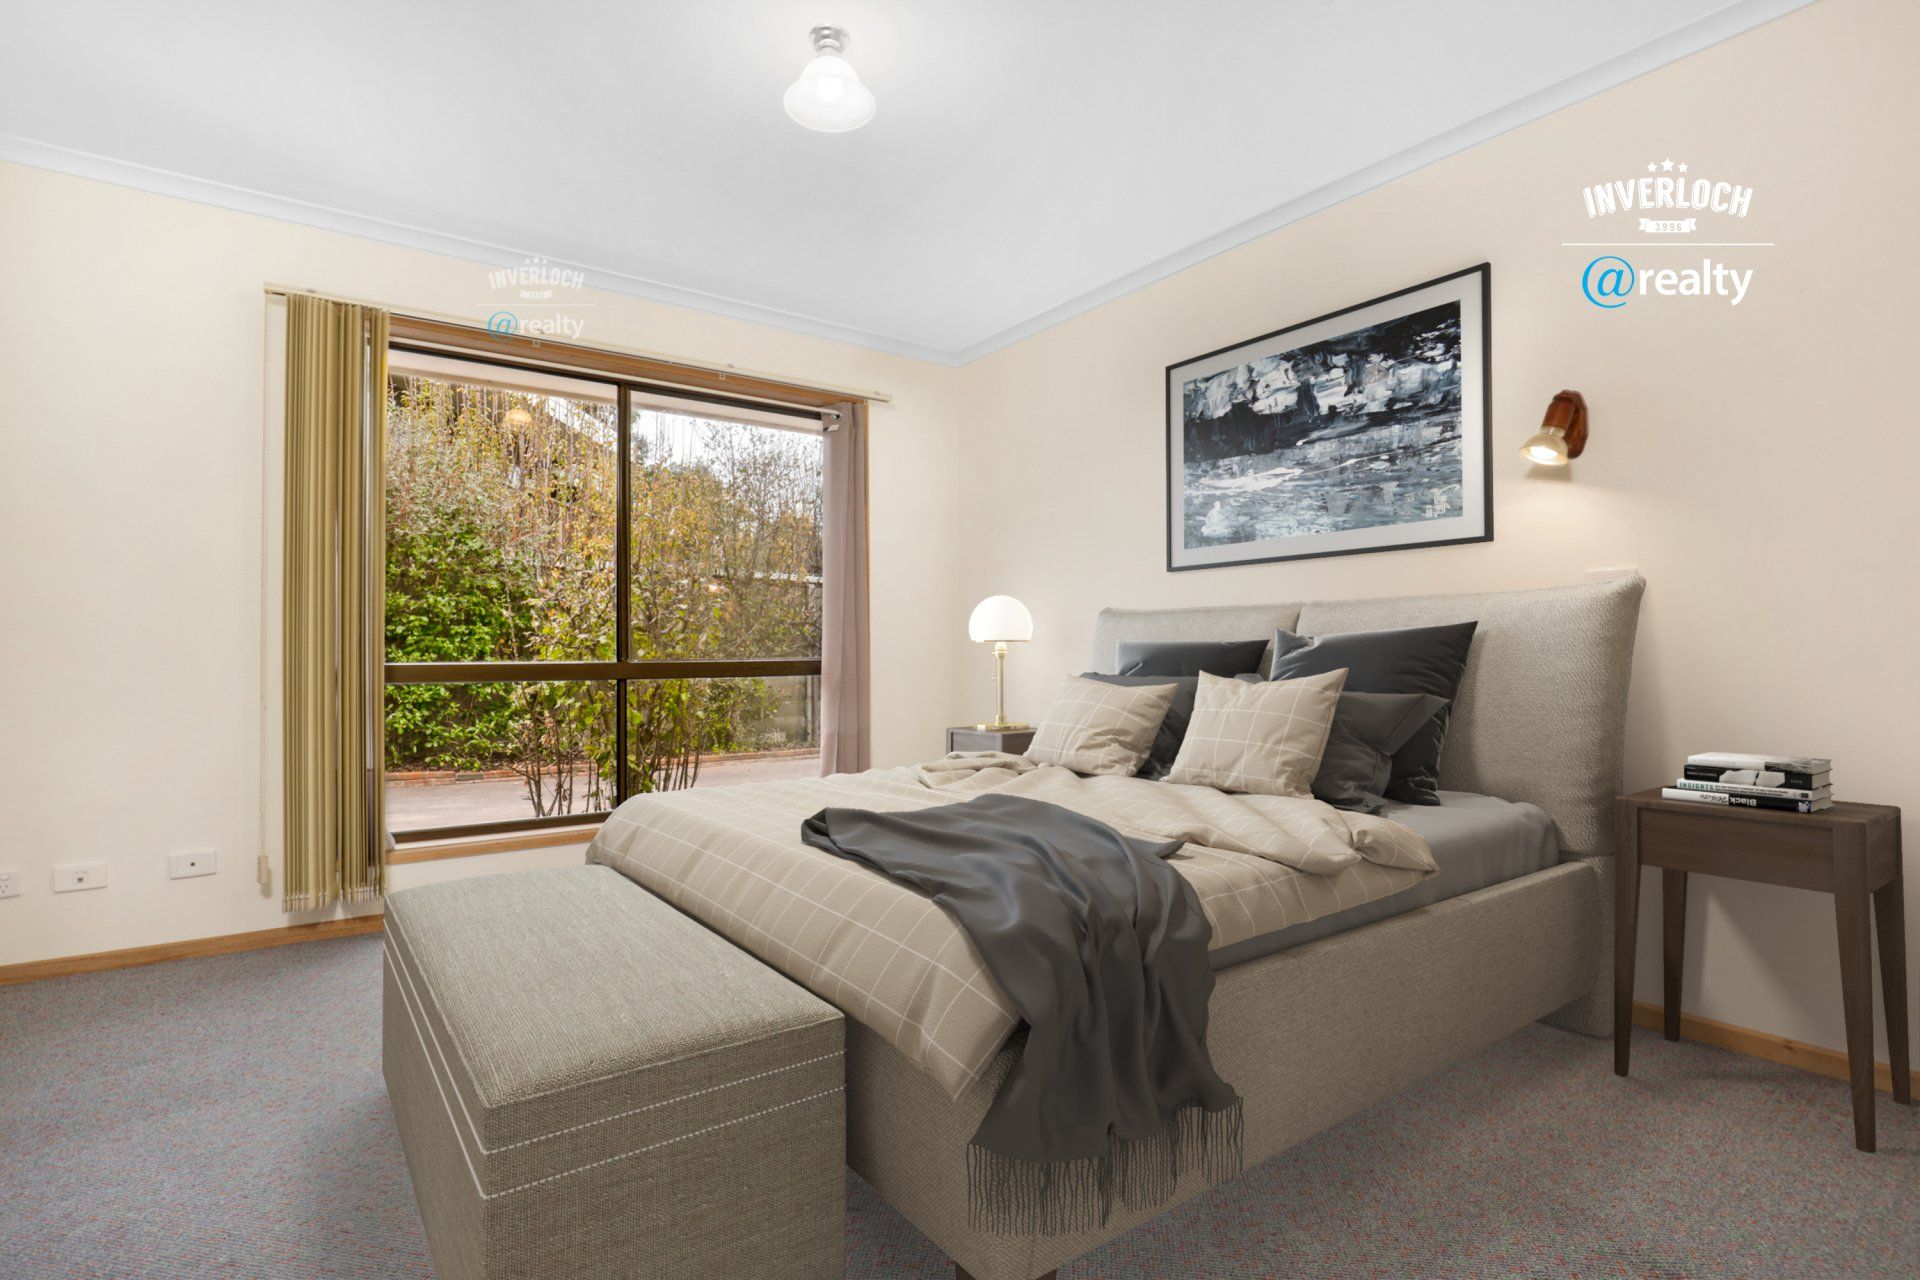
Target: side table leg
<point>1856,995</point>
<point>1626,912</point>
<point>1889,910</point>
<point>1673,921</point>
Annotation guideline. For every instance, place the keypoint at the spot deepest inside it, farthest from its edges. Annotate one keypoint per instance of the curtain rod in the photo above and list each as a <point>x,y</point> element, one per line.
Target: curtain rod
<point>854,393</point>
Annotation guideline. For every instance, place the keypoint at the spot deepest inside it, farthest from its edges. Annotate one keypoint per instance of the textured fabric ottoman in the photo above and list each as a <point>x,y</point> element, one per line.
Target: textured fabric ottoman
<point>587,1083</point>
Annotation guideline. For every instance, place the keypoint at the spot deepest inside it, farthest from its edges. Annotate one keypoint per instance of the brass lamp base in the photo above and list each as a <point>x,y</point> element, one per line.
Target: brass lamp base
<point>1000,723</point>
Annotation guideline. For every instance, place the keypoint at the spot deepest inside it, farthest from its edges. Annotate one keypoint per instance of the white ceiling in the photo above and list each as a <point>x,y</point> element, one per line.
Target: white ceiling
<point>1029,159</point>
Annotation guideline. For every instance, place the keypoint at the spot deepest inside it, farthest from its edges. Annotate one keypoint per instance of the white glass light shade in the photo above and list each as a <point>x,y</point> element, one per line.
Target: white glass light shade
<point>999,618</point>
<point>829,96</point>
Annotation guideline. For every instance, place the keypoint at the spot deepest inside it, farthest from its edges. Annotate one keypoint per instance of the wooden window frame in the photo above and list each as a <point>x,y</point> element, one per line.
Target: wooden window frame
<point>627,375</point>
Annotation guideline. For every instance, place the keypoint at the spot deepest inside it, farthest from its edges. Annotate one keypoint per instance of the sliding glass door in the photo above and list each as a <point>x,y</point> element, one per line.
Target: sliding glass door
<point>595,588</point>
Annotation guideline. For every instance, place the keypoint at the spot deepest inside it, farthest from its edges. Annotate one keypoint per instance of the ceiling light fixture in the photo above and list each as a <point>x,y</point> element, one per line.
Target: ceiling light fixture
<point>828,96</point>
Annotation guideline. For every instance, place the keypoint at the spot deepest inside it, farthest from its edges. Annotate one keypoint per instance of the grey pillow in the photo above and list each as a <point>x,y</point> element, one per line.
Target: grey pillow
<point>1189,657</point>
<point>1368,728</point>
<point>1356,770</point>
<point>1173,728</point>
<point>1427,660</point>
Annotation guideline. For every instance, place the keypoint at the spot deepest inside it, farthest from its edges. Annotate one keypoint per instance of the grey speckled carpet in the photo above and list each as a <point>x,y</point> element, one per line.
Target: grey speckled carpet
<point>226,1117</point>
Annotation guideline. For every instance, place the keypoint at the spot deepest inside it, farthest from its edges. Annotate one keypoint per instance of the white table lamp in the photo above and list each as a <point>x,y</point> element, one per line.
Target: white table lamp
<point>999,621</point>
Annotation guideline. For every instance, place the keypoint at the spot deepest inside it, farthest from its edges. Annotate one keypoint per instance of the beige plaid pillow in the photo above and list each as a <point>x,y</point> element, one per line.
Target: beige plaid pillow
<point>1260,737</point>
<point>1094,727</point>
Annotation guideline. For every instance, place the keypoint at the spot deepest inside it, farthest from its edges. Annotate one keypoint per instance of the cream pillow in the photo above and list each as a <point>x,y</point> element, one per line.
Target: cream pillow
<point>1260,737</point>
<point>1094,727</point>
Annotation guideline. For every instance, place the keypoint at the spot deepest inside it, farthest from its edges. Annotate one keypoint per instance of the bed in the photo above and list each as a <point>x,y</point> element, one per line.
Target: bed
<point>1315,1014</point>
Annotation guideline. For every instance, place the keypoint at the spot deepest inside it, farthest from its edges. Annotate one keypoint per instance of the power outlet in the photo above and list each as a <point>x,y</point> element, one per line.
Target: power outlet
<point>190,863</point>
<point>10,886</point>
<point>70,877</point>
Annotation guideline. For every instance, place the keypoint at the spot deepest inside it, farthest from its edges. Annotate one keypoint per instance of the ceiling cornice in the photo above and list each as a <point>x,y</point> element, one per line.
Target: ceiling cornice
<point>1690,38</point>
<point>1682,41</point>
<point>125,173</point>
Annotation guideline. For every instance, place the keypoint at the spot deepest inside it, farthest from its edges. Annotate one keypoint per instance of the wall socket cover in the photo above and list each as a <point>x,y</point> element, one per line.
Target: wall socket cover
<point>191,862</point>
<point>10,886</point>
<point>71,876</point>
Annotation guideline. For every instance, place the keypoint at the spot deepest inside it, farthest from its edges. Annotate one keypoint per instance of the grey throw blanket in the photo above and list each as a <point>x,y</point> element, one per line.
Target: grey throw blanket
<point>1102,948</point>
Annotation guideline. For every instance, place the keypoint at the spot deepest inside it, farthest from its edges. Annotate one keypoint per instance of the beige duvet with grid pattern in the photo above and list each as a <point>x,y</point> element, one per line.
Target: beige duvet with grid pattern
<point>731,857</point>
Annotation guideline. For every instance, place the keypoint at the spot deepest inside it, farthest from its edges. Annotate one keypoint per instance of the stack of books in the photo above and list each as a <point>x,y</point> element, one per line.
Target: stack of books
<point>1790,784</point>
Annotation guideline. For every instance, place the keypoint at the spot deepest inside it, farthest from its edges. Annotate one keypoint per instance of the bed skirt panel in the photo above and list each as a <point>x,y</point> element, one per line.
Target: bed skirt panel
<point>1308,1036</point>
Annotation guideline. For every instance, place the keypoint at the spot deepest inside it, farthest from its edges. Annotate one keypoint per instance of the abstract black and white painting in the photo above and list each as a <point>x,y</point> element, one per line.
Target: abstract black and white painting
<point>1363,430</point>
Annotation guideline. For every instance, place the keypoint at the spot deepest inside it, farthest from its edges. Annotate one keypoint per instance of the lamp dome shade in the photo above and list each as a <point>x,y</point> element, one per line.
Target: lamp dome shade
<point>1000,618</point>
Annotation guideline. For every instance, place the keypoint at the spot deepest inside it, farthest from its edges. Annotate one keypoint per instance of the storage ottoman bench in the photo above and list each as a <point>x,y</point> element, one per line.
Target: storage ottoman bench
<point>588,1083</point>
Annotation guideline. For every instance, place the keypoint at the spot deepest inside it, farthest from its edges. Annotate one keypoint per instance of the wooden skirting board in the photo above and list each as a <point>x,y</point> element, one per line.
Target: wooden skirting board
<point>1761,1044</point>
<point>1756,1044</point>
<point>100,961</point>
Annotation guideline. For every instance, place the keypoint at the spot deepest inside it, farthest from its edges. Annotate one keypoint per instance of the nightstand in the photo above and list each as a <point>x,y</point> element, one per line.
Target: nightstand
<point>969,737</point>
<point>1851,851</point>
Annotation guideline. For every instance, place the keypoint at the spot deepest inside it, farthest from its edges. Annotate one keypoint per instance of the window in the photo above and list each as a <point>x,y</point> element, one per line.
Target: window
<point>595,588</point>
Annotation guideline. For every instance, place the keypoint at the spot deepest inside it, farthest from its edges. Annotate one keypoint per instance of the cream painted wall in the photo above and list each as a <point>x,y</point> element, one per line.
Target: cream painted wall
<point>131,338</point>
<point>1756,463</point>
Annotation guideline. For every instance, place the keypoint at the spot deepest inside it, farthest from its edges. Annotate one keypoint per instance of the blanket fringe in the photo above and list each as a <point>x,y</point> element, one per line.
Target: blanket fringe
<point>1008,1195</point>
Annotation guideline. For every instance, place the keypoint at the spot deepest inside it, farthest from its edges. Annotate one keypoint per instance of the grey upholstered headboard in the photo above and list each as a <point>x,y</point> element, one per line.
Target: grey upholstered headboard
<point>1541,715</point>
<point>1217,622</point>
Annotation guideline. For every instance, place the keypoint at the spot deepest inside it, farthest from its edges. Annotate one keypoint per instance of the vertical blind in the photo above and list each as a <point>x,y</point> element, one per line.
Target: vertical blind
<point>333,624</point>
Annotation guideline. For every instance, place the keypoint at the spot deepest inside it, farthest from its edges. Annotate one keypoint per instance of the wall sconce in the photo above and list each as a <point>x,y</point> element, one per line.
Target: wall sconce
<point>1563,432</point>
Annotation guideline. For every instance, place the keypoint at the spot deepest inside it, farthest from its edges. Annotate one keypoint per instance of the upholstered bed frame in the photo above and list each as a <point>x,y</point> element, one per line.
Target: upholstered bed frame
<point>1313,1034</point>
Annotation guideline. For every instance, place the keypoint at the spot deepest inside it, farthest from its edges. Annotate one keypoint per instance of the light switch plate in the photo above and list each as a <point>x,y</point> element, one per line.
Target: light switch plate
<point>10,882</point>
<point>191,862</point>
<point>70,877</point>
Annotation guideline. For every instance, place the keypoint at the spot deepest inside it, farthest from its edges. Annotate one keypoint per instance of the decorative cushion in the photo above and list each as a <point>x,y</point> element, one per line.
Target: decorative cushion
<point>1173,729</point>
<point>1190,657</point>
<point>1356,769</point>
<point>1094,727</point>
<point>1426,660</point>
<point>1261,738</point>
<point>1367,729</point>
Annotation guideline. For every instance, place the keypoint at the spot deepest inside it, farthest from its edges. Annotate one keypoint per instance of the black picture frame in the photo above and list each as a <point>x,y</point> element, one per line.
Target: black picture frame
<point>1475,522</point>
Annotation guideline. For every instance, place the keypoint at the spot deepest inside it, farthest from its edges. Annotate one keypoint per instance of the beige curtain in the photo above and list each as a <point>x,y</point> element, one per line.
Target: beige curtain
<point>334,622</point>
<point>844,699</point>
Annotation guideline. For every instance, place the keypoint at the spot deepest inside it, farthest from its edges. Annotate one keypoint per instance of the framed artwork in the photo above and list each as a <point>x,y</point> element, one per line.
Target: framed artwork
<point>1363,430</point>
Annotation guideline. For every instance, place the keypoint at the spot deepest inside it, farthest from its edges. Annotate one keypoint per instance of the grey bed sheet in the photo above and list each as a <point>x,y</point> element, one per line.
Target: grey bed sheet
<point>1477,840</point>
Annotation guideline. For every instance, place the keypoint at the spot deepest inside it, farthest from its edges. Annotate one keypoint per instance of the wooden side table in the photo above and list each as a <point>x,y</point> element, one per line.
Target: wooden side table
<point>971,737</point>
<point>1851,851</point>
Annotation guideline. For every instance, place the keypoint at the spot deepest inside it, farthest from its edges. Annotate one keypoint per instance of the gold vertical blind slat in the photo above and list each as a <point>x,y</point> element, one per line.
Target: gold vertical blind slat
<point>373,595</point>
<point>336,400</point>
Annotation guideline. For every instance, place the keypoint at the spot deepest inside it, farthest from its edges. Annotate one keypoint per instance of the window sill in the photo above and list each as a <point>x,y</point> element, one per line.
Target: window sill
<point>477,846</point>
